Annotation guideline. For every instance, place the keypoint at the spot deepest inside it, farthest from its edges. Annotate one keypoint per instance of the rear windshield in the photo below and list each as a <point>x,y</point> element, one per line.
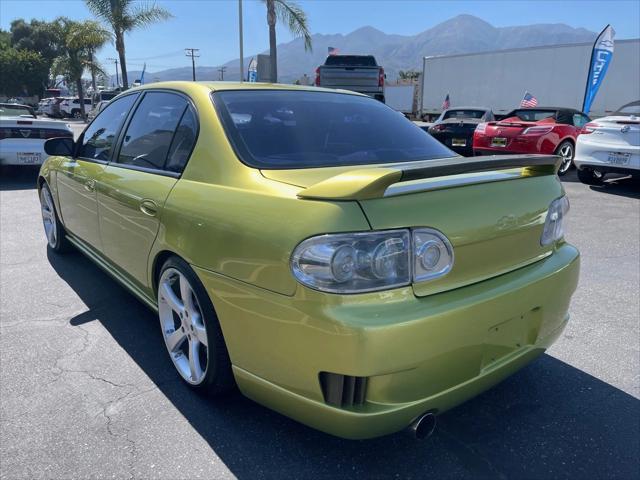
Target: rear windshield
<point>299,129</point>
<point>351,60</point>
<point>532,115</point>
<point>629,109</point>
<point>463,114</point>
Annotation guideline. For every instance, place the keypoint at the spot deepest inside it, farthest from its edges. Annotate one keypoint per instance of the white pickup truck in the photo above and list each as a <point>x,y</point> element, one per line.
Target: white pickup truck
<point>359,73</point>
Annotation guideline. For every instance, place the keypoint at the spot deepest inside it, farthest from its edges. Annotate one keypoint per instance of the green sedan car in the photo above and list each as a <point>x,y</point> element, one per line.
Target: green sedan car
<point>315,249</point>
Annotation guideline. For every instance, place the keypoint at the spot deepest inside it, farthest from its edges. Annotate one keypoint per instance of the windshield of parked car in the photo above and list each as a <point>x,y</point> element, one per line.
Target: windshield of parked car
<point>531,115</point>
<point>462,114</point>
<point>351,60</point>
<point>302,129</point>
<point>10,110</point>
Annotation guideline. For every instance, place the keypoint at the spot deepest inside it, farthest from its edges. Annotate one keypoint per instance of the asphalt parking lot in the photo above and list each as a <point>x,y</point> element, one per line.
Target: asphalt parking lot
<point>88,391</point>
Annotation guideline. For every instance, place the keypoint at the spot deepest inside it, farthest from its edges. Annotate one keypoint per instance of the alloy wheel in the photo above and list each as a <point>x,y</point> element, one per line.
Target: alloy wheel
<point>48,216</point>
<point>183,326</point>
<point>566,152</point>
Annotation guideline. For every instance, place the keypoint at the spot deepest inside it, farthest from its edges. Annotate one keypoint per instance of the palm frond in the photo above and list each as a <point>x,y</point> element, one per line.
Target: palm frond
<point>146,14</point>
<point>295,19</point>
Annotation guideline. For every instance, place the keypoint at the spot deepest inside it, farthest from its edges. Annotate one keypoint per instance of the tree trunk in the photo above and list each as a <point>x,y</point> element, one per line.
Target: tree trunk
<point>123,64</point>
<point>93,72</point>
<point>81,96</point>
<point>273,54</point>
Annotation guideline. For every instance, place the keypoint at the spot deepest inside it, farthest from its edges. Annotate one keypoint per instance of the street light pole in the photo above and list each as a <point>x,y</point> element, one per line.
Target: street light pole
<point>241,42</point>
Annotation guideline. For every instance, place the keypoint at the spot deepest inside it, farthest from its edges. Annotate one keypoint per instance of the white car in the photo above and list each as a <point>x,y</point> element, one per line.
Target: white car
<point>22,135</point>
<point>610,145</point>
<point>70,107</point>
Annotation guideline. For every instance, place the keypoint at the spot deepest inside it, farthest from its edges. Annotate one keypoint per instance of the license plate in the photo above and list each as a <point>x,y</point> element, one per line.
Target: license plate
<point>618,158</point>
<point>458,142</point>
<point>29,157</point>
<point>498,142</point>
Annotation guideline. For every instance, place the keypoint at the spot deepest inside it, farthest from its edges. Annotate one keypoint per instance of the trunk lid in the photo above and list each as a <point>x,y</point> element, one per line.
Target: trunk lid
<point>623,131</point>
<point>492,209</point>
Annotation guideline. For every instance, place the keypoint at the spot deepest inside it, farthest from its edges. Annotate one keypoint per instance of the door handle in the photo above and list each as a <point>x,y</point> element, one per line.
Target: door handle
<point>90,185</point>
<point>149,207</point>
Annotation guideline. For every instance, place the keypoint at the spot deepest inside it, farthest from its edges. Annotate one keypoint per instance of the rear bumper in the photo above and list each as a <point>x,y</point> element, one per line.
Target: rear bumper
<point>596,155</point>
<point>418,354</point>
<point>10,149</point>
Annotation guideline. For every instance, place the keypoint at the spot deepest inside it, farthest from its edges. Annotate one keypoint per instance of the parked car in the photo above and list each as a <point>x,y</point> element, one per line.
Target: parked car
<point>548,130</point>
<point>610,145</point>
<point>70,107</point>
<point>358,73</point>
<point>52,107</point>
<point>301,243</point>
<point>22,135</point>
<point>455,126</point>
<point>97,109</point>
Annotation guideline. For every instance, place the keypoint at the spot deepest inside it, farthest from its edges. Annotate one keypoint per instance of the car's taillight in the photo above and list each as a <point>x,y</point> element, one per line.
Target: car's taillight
<point>318,77</point>
<point>370,261</point>
<point>554,223</point>
<point>481,128</point>
<point>537,130</point>
<point>589,128</point>
<point>381,77</point>
<point>437,128</point>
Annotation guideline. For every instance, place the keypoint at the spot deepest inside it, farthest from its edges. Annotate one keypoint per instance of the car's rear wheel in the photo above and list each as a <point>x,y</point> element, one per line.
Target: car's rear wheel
<point>566,151</point>
<point>53,229</point>
<point>191,330</point>
<point>590,176</point>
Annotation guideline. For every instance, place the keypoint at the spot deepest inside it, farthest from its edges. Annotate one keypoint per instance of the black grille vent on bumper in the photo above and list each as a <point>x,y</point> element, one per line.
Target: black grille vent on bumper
<point>343,390</point>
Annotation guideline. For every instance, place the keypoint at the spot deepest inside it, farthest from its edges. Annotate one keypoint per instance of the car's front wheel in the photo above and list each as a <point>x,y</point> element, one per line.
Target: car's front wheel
<point>191,330</point>
<point>566,151</point>
<point>53,229</point>
<point>590,176</point>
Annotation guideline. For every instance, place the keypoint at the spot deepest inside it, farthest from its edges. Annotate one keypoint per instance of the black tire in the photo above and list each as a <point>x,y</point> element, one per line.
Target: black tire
<point>566,150</point>
<point>589,176</point>
<point>57,242</point>
<point>218,379</point>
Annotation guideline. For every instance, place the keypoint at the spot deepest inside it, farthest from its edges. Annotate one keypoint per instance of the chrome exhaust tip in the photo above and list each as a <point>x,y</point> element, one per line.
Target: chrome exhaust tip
<point>423,426</point>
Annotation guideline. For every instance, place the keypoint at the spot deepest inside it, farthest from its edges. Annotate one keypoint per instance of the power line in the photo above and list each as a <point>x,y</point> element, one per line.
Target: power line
<point>222,70</point>
<point>193,53</point>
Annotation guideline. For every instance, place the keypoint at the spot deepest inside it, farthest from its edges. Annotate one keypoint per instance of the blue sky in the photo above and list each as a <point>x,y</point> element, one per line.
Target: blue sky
<point>212,25</point>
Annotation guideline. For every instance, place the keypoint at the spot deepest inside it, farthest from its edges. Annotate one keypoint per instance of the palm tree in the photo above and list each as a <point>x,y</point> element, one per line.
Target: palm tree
<point>294,18</point>
<point>78,42</point>
<point>124,16</point>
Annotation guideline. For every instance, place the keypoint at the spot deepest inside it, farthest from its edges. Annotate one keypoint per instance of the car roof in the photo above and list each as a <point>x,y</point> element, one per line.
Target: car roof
<point>185,86</point>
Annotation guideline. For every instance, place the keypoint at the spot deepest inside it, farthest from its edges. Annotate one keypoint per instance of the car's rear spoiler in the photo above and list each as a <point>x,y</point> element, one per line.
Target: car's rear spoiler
<point>397,179</point>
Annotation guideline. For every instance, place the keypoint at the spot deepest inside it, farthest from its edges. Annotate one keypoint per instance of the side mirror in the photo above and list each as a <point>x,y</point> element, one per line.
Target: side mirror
<point>62,146</point>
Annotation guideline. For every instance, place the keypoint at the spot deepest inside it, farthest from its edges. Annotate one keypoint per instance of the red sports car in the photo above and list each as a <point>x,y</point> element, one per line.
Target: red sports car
<point>548,130</point>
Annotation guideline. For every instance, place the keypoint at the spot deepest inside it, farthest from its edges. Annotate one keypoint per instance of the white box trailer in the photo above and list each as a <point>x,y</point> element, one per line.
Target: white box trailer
<point>556,75</point>
<point>401,97</point>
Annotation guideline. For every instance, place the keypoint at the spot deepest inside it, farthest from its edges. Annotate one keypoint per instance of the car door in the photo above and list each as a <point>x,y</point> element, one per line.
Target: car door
<point>154,148</point>
<point>79,177</point>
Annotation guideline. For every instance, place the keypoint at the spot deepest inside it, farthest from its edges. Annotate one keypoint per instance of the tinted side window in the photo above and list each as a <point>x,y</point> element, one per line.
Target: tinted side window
<point>151,130</point>
<point>580,120</point>
<point>183,142</point>
<point>98,138</point>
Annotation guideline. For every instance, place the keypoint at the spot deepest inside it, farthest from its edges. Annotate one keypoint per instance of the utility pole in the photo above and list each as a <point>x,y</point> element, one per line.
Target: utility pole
<point>222,70</point>
<point>117,77</point>
<point>241,46</point>
<point>193,53</point>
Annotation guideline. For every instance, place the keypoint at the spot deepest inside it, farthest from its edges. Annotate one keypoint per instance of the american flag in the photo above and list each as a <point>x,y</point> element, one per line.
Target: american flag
<point>332,50</point>
<point>528,101</point>
<point>447,103</point>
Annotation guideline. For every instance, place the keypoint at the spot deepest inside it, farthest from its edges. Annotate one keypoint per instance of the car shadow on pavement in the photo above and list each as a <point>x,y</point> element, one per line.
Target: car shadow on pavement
<point>18,178</point>
<point>550,420</point>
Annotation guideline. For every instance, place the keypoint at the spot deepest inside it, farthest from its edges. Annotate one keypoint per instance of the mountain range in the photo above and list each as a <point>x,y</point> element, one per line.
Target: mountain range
<point>460,34</point>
